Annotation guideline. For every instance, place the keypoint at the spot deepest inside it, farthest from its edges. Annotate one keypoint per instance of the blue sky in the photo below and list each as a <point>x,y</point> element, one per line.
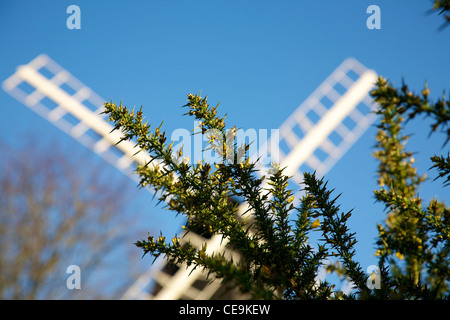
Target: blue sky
<point>261,59</point>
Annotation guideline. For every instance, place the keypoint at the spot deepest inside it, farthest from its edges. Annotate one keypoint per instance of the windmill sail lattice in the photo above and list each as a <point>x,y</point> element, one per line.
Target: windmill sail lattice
<point>326,125</point>
<point>314,137</point>
<point>52,92</point>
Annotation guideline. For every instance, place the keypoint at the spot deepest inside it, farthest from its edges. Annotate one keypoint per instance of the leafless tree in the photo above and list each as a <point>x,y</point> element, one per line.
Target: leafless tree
<point>56,211</point>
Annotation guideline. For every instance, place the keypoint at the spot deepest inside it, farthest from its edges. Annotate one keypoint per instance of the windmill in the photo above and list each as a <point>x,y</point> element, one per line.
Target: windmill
<point>314,137</point>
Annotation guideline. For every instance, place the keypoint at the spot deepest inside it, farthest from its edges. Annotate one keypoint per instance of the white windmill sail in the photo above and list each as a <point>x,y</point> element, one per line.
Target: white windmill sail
<point>53,93</point>
<point>316,135</point>
<point>319,132</point>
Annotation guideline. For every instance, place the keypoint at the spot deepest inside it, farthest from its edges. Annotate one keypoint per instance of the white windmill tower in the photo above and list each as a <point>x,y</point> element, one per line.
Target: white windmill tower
<point>314,137</point>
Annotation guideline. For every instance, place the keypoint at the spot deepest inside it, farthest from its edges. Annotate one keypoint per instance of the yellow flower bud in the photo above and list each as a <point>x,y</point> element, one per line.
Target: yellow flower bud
<point>266,271</point>
<point>315,224</point>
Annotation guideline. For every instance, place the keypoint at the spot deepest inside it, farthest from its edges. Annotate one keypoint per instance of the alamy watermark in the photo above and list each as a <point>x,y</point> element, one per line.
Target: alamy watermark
<point>374,279</point>
<point>74,20</point>
<point>74,280</point>
<point>374,20</point>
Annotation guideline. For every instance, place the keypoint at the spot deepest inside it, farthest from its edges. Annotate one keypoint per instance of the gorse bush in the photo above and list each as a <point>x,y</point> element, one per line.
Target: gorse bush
<point>277,261</point>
